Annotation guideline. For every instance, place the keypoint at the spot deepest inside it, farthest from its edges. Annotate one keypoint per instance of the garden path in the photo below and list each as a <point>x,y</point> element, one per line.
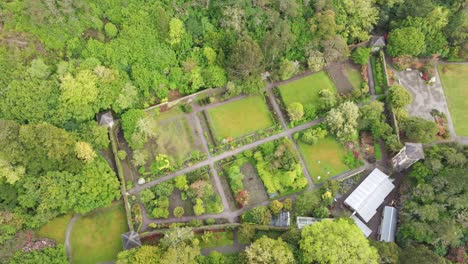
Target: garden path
<point>67,236</point>
<point>370,78</point>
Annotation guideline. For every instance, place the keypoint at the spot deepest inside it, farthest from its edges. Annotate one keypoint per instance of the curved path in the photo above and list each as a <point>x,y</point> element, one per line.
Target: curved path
<point>67,236</point>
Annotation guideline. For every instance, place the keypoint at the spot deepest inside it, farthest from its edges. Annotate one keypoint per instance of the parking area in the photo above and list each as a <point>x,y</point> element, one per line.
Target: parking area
<point>425,97</point>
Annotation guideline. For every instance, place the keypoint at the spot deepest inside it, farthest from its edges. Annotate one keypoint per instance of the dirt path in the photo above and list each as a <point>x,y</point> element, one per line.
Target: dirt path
<point>370,78</point>
<point>68,234</point>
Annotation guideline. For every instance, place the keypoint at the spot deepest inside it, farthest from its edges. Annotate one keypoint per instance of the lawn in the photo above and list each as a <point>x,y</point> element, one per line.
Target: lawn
<point>324,159</point>
<point>240,118</point>
<point>175,136</point>
<point>96,237</point>
<point>354,76</point>
<point>306,90</point>
<point>218,239</point>
<point>377,151</point>
<point>454,79</point>
<point>55,229</point>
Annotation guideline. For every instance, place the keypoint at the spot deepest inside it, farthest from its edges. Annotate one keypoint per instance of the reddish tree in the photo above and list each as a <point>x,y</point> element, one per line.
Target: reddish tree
<point>242,198</point>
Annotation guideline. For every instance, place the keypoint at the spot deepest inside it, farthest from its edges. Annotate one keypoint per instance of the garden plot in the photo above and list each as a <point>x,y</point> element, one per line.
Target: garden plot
<point>239,118</point>
<point>306,90</point>
<point>242,177</point>
<point>185,195</point>
<point>353,74</point>
<point>454,78</point>
<point>326,158</point>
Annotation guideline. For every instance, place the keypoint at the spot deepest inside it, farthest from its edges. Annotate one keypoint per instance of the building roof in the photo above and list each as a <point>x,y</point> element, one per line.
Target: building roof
<point>105,119</point>
<point>364,228</point>
<point>130,240</point>
<point>303,221</point>
<point>282,219</point>
<point>370,194</point>
<point>414,151</point>
<point>389,223</point>
<point>377,41</point>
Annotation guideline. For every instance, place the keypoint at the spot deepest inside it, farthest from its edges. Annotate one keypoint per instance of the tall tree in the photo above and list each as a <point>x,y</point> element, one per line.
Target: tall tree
<point>267,250</point>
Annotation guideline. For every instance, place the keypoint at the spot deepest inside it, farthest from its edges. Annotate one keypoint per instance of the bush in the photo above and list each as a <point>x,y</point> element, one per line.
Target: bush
<point>307,201</point>
<point>276,207</point>
<point>186,108</point>
<point>111,30</point>
<point>287,204</point>
<point>295,111</point>
<point>361,55</point>
<point>242,198</point>
<point>246,233</point>
<point>259,215</point>
<point>313,135</point>
<point>198,208</point>
<point>178,212</point>
<point>195,222</point>
<point>210,221</point>
<point>121,154</point>
<point>321,212</point>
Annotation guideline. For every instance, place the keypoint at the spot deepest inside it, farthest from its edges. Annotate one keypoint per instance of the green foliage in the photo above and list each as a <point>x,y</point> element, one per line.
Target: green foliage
<point>321,212</point>
<point>405,41</point>
<point>342,121</point>
<point>258,215</point>
<point>398,96</point>
<point>181,183</point>
<point>130,121</point>
<point>419,130</point>
<point>276,207</point>
<point>52,255</point>
<point>160,164</point>
<point>198,208</point>
<point>121,154</point>
<point>235,178</point>
<point>313,135</point>
<point>388,251</point>
<point>111,30</point>
<point>267,250</point>
<point>419,254</point>
<point>337,241</point>
<point>287,69</point>
<point>361,55</point>
<point>295,111</point>
<point>178,212</point>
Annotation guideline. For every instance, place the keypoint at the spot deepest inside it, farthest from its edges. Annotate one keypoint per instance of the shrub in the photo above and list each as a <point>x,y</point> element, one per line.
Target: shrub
<point>287,204</point>
<point>295,111</point>
<point>178,212</point>
<point>258,215</point>
<point>307,201</point>
<point>181,183</point>
<point>361,55</point>
<point>210,221</point>
<point>198,208</point>
<point>313,135</point>
<point>235,179</point>
<point>242,198</point>
<point>160,164</point>
<point>186,108</point>
<point>196,223</point>
<point>146,196</point>
<point>276,207</point>
<point>321,212</point>
<point>111,30</point>
<point>121,154</point>
<point>246,233</point>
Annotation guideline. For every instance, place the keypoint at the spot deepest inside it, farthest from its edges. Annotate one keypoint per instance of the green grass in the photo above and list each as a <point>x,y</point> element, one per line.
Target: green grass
<point>240,118</point>
<point>306,90</point>
<point>354,76</point>
<point>377,151</point>
<point>325,156</point>
<point>454,79</point>
<point>55,229</point>
<point>219,239</point>
<point>96,237</point>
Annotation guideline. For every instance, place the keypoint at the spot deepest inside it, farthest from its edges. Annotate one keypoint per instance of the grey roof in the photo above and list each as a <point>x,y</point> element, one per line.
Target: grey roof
<point>282,219</point>
<point>364,228</point>
<point>414,151</point>
<point>389,223</point>
<point>377,41</point>
<point>130,240</point>
<point>105,119</point>
<point>370,194</point>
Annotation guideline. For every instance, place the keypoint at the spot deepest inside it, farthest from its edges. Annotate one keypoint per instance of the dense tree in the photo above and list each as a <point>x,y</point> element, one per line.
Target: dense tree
<point>398,96</point>
<point>246,59</point>
<point>267,250</point>
<point>52,255</point>
<point>419,130</point>
<point>356,18</point>
<point>361,55</point>
<point>338,241</point>
<point>388,252</point>
<point>342,121</point>
<point>419,254</point>
<point>405,41</point>
<point>295,111</point>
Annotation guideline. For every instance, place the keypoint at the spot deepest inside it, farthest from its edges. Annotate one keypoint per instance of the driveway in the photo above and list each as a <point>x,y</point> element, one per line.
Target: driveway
<point>425,97</point>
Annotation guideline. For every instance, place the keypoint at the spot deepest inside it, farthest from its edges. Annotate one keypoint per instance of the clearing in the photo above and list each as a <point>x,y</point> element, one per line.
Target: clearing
<point>240,118</point>
<point>55,229</point>
<point>454,78</point>
<point>324,159</point>
<point>306,90</point>
<point>353,74</point>
<point>96,237</point>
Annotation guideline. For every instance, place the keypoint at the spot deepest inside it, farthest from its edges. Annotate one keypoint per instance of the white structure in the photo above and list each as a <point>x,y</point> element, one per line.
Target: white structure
<point>407,156</point>
<point>303,221</point>
<point>377,43</point>
<point>105,119</point>
<point>370,194</point>
<point>365,229</point>
<point>388,225</point>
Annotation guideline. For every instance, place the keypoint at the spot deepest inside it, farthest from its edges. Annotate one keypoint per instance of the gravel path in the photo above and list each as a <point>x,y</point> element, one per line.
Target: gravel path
<point>67,236</point>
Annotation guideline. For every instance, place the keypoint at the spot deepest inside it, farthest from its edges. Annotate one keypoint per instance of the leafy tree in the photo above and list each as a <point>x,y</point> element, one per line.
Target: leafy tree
<point>11,173</point>
<point>337,241</point>
<point>176,31</point>
<point>419,130</point>
<point>361,55</point>
<point>111,30</point>
<point>419,254</point>
<point>315,61</point>
<point>178,212</point>
<point>405,41</point>
<point>295,111</point>
<point>398,96</point>
<point>321,212</point>
<point>313,135</point>
<point>267,250</point>
<point>323,25</point>
<point>259,215</point>
<point>198,208</point>
<point>276,207</point>
<point>388,252</point>
<point>130,121</point>
<point>245,59</point>
<point>356,19</point>
<point>286,69</point>
<point>342,121</point>
<point>181,183</point>
<point>84,151</point>
<point>327,99</point>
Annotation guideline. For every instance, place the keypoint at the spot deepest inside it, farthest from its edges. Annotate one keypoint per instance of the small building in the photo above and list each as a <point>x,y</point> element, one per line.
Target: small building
<point>377,43</point>
<point>105,119</point>
<point>370,194</point>
<point>364,228</point>
<point>130,240</point>
<point>389,224</point>
<point>408,155</point>
<point>281,220</point>
<point>303,221</point>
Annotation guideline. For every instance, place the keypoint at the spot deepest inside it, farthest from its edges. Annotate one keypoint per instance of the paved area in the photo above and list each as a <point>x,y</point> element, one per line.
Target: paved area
<point>425,97</point>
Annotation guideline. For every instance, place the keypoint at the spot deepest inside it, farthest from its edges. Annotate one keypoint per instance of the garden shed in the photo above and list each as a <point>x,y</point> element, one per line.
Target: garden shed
<point>105,119</point>
<point>377,43</point>
<point>388,225</point>
<point>130,240</point>
<point>370,194</point>
<point>408,155</point>
<point>281,220</point>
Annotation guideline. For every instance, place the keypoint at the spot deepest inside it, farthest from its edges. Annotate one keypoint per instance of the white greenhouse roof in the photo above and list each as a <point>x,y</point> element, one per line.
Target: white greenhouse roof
<point>389,223</point>
<point>365,229</point>
<point>303,221</point>
<point>370,194</point>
